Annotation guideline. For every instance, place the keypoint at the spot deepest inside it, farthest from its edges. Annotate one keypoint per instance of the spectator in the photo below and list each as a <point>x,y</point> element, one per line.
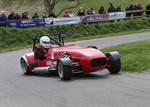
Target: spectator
<point>3,19</point>
<point>45,15</point>
<point>135,8</point>
<point>118,9</point>
<point>71,14</point>
<point>81,12</point>
<point>11,15</point>
<point>35,16</point>
<point>81,8</point>
<point>130,8</point>
<point>102,10</point>
<point>148,10</point>
<point>140,8</point>
<point>90,11</point>
<point>16,16</point>
<point>111,8</point>
<point>52,14</point>
<point>66,13</point>
<point>25,15</point>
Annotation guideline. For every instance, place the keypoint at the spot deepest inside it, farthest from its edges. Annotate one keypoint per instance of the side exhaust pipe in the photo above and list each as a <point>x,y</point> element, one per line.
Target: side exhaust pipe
<point>41,70</point>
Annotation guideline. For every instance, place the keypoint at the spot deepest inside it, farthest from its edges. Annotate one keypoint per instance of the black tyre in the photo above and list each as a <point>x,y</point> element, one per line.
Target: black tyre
<point>25,67</point>
<point>65,72</point>
<point>113,66</point>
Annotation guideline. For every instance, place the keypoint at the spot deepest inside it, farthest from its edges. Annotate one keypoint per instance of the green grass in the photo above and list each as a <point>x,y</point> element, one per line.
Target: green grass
<point>135,57</point>
<point>17,38</point>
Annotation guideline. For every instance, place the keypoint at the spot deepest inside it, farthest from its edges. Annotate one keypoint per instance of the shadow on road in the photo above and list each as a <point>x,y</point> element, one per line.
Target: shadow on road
<point>78,76</point>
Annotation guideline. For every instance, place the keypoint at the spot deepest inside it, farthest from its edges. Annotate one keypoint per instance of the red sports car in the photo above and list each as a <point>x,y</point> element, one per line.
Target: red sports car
<point>69,59</point>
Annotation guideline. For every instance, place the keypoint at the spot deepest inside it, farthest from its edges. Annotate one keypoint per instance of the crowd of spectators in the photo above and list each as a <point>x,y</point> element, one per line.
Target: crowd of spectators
<point>81,12</point>
<point>111,8</point>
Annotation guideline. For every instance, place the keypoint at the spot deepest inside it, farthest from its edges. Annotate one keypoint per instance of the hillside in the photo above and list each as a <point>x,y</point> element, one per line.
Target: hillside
<point>95,4</point>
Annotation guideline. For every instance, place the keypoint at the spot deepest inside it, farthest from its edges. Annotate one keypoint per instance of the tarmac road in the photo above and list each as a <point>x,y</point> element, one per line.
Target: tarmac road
<point>99,89</point>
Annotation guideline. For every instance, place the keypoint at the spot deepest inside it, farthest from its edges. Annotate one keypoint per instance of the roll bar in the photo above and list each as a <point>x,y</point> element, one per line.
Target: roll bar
<point>52,36</point>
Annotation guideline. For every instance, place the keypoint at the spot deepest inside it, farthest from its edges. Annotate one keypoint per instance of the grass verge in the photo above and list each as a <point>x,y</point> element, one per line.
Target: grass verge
<point>17,38</point>
<point>135,57</point>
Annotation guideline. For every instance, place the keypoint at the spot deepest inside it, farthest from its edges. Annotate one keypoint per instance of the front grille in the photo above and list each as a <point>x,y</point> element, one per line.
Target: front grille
<point>98,62</point>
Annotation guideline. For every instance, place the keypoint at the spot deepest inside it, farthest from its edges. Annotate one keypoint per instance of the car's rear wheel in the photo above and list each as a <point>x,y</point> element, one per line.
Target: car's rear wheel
<point>113,66</point>
<point>64,71</point>
<point>25,67</point>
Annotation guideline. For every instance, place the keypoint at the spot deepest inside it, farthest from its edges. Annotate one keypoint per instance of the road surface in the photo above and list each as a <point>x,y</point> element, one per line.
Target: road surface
<point>99,89</point>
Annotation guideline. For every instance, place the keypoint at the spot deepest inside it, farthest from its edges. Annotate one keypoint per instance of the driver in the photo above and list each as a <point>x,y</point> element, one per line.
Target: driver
<point>41,51</point>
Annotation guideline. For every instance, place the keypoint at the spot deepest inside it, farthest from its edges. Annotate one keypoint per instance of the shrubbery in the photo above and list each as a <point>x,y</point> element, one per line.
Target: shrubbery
<point>13,38</point>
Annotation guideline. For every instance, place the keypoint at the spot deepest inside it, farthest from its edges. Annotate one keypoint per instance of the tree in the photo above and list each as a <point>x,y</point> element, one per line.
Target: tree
<point>48,4</point>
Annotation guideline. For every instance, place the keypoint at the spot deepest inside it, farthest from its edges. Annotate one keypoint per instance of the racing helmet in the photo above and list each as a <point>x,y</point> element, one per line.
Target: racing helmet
<point>45,41</point>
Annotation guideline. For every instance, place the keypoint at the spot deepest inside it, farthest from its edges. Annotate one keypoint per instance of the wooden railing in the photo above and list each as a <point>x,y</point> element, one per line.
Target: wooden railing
<point>143,14</point>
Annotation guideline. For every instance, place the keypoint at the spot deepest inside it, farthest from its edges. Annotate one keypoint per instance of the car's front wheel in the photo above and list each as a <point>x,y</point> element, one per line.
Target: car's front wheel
<point>64,69</point>
<point>25,67</point>
<point>113,66</point>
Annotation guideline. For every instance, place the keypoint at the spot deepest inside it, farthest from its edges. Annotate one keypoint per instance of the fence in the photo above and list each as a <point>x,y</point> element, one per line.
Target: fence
<point>23,23</point>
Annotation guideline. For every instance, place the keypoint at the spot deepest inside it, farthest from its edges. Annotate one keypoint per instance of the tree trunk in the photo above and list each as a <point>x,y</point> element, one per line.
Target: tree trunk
<point>49,5</point>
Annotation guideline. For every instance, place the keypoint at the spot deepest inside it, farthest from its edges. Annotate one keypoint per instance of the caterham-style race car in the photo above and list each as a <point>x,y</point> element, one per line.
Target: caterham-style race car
<point>69,59</point>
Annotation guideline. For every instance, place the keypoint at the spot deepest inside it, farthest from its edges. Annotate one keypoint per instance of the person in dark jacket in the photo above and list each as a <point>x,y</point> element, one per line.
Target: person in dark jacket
<point>41,51</point>
<point>140,8</point>
<point>11,15</point>
<point>81,12</point>
<point>16,16</point>
<point>135,8</point>
<point>130,8</point>
<point>25,15</point>
<point>35,16</point>
<point>111,8</point>
<point>102,10</point>
<point>118,9</point>
<point>148,10</point>
<point>52,14</point>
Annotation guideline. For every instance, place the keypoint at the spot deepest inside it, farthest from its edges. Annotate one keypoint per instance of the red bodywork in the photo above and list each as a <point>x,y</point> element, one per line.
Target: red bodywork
<point>82,55</point>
